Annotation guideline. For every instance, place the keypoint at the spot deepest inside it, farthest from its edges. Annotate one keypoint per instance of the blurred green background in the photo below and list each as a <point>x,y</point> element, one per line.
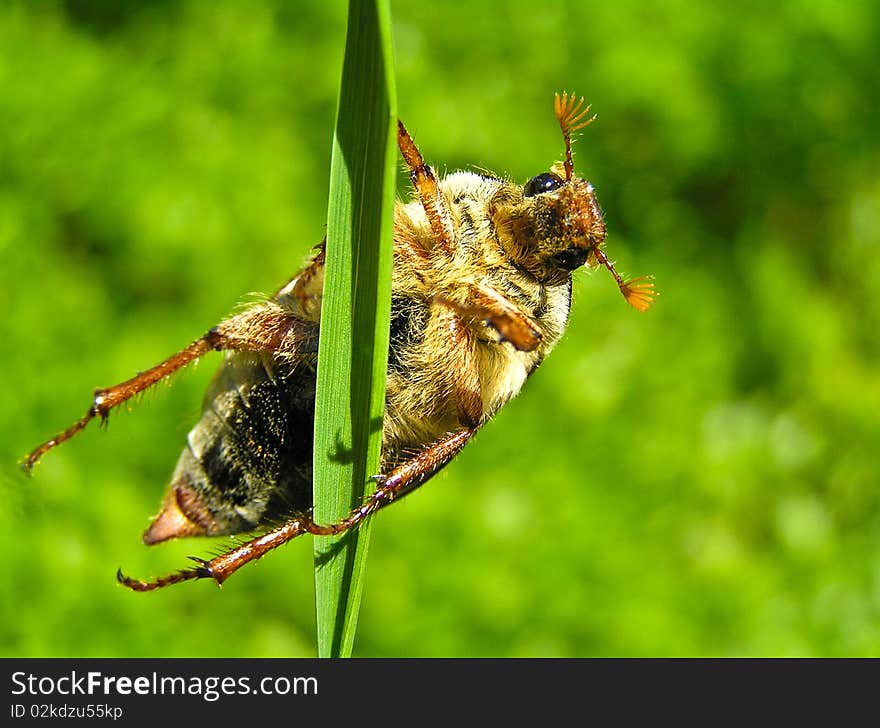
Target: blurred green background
<point>698,480</point>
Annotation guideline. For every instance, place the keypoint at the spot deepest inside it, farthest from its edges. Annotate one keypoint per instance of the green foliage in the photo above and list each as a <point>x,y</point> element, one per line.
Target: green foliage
<point>354,317</point>
<point>699,480</point>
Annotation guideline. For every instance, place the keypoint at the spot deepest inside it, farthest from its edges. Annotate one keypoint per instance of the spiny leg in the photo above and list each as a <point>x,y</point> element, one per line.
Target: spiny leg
<point>266,327</point>
<point>403,479</point>
<point>222,567</point>
<point>105,399</point>
<point>428,189</point>
<point>490,306</point>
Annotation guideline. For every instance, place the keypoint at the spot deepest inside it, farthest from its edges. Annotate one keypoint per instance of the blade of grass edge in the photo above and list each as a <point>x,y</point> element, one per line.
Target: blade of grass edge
<point>353,349</point>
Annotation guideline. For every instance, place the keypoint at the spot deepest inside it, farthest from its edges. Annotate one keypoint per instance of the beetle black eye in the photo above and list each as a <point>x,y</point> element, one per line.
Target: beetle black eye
<point>545,182</point>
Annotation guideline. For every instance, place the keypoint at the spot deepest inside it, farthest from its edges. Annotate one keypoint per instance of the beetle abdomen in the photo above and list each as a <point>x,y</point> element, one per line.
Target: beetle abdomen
<point>248,461</point>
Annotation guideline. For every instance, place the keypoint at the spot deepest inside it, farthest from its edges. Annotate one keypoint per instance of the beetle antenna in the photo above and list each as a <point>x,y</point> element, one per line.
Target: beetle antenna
<point>639,292</point>
<point>571,115</point>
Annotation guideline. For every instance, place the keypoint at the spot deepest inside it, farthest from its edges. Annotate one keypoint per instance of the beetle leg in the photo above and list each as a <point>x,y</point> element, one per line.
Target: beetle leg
<point>266,327</point>
<point>496,311</point>
<point>403,479</point>
<point>221,567</point>
<point>428,189</point>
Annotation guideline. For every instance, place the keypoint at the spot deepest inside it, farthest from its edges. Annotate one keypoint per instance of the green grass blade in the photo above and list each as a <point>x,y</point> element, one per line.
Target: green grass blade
<point>353,351</point>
